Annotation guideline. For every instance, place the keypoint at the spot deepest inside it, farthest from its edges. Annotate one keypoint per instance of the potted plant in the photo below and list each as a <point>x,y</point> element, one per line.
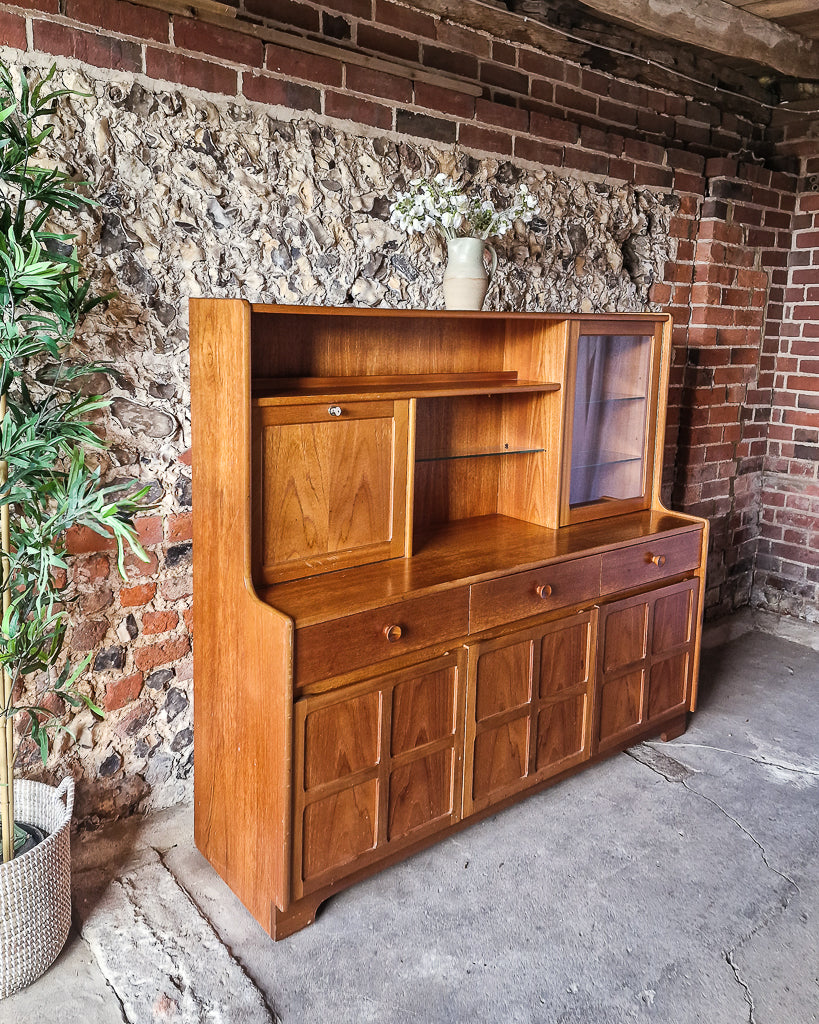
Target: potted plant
<point>46,488</point>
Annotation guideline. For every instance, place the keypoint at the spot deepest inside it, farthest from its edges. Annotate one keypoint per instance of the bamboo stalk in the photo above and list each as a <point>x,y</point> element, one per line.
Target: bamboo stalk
<point>7,732</point>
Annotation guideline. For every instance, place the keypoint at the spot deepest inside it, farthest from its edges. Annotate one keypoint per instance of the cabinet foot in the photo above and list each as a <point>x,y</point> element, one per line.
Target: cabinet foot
<point>674,729</point>
<point>297,916</point>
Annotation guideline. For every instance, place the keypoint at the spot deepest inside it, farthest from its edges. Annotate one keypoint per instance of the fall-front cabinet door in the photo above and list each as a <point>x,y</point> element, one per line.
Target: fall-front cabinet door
<point>528,708</point>
<point>329,485</point>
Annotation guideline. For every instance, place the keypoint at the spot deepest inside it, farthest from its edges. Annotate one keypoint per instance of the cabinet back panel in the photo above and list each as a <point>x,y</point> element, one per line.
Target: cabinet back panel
<point>292,344</point>
<point>455,489</point>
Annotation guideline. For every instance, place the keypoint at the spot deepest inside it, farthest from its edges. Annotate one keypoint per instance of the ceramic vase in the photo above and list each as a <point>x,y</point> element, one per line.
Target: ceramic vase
<point>466,278</point>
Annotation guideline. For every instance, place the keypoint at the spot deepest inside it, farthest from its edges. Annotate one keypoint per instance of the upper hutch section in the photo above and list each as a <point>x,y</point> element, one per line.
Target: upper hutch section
<point>374,430</point>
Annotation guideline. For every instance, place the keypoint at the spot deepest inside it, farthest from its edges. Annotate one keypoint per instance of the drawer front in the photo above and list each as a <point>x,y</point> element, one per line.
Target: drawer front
<point>651,560</point>
<point>524,594</point>
<point>354,641</point>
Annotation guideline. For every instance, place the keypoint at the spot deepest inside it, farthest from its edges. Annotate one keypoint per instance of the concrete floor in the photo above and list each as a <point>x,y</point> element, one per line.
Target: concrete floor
<point>675,883</point>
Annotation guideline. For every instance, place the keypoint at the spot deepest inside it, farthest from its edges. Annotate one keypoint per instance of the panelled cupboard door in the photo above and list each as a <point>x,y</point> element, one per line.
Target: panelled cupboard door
<point>377,766</point>
<point>528,708</point>
<point>329,486</point>
<point>645,657</point>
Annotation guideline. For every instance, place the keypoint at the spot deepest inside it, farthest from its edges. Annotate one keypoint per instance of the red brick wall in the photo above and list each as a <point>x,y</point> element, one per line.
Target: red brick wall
<point>741,342</point>
<point>787,567</point>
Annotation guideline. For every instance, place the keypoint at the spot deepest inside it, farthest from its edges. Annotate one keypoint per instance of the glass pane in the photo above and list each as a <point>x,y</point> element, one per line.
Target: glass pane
<point>610,418</point>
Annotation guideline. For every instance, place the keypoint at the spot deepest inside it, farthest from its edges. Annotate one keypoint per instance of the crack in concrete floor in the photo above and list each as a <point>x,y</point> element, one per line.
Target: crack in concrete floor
<point>766,762</point>
<point>729,957</point>
<point>704,796</point>
<point>681,771</point>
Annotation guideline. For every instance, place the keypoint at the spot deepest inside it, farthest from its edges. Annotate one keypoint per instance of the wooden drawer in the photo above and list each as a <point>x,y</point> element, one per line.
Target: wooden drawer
<point>519,596</point>
<point>655,559</point>
<point>354,641</point>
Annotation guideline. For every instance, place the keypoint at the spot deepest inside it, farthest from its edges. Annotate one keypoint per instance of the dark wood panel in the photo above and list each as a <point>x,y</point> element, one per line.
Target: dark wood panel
<point>620,704</point>
<point>668,684</point>
<point>564,659</point>
<point>624,635</point>
<point>673,620</point>
<point>501,758</point>
<point>423,709</point>
<point>376,764</point>
<point>560,731</point>
<point>339,829</point>
<point>557,585</point>
<point>341,739</point>
<point>504,679</point>
<point>420,792</point>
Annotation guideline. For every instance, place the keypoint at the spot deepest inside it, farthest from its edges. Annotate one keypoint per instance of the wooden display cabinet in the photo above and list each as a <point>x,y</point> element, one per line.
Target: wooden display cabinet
<point>432,573</point>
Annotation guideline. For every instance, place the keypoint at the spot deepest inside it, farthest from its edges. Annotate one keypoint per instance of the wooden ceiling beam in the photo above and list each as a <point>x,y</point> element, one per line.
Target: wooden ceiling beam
<point>720,28</point>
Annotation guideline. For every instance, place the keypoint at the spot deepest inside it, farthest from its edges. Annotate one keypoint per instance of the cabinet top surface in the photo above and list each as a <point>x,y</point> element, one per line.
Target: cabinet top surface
<point>460,553</point>
<point>363,311</point>
<point>443,314</point>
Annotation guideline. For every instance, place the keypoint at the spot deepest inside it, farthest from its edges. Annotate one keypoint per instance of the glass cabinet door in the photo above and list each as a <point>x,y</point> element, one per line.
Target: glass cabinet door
<point>612,411</point>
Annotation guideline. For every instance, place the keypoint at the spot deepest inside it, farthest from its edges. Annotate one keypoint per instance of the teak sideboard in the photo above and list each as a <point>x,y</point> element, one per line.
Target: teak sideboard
<point>432,574</point>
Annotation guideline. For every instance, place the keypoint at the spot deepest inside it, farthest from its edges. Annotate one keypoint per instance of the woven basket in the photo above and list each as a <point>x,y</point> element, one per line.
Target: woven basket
<point>35,888</point>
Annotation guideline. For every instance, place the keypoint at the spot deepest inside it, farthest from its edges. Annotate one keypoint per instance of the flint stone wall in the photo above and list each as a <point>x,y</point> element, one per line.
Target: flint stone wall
<point>236,199</point>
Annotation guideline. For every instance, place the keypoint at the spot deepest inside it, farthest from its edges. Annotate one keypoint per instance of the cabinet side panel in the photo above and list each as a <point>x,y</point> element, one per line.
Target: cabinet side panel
<point>242,649</point>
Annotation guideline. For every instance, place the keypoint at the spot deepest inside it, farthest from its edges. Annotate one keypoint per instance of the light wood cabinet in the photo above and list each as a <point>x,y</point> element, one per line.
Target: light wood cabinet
<point>432,573</point>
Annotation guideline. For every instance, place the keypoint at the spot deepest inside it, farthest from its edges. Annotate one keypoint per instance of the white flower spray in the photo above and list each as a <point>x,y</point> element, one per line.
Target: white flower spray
<point>441,203</point>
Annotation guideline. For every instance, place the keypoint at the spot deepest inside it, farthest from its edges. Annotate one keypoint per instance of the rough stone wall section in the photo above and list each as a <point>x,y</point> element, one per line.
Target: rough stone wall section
<point>787,567</point>
<point>221,198</point>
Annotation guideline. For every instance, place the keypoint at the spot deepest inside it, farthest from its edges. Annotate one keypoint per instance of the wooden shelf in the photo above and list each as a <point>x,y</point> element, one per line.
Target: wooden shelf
<point>295,390</point>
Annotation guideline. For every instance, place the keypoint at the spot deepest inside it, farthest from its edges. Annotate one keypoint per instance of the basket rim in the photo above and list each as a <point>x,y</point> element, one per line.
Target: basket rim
<point>54,794</point>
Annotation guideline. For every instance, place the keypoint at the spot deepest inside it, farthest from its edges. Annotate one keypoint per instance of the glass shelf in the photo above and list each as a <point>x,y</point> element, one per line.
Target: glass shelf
<point>606,399</point>
<point>444,456</point>
<point>588,460</point>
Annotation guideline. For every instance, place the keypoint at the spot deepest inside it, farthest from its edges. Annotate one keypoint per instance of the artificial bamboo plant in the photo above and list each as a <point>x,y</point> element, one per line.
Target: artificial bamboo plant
<point>46,484</point>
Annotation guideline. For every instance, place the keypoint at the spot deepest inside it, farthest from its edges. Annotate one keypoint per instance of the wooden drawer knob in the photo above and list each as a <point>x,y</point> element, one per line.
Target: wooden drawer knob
<point>393,633</point>
<point>334,410</point>
<point>543,590</point>
<point>658,560</point>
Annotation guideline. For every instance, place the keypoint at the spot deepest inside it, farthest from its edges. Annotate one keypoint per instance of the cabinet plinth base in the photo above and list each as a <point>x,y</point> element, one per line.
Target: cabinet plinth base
<point>676,727</point>
<point>298,915</point>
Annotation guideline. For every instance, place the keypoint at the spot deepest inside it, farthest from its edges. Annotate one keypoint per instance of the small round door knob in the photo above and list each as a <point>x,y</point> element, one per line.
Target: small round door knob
<point>543,590</point>
<point>392,633</point>
<point>334,410</point>
<point>658,560</point>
